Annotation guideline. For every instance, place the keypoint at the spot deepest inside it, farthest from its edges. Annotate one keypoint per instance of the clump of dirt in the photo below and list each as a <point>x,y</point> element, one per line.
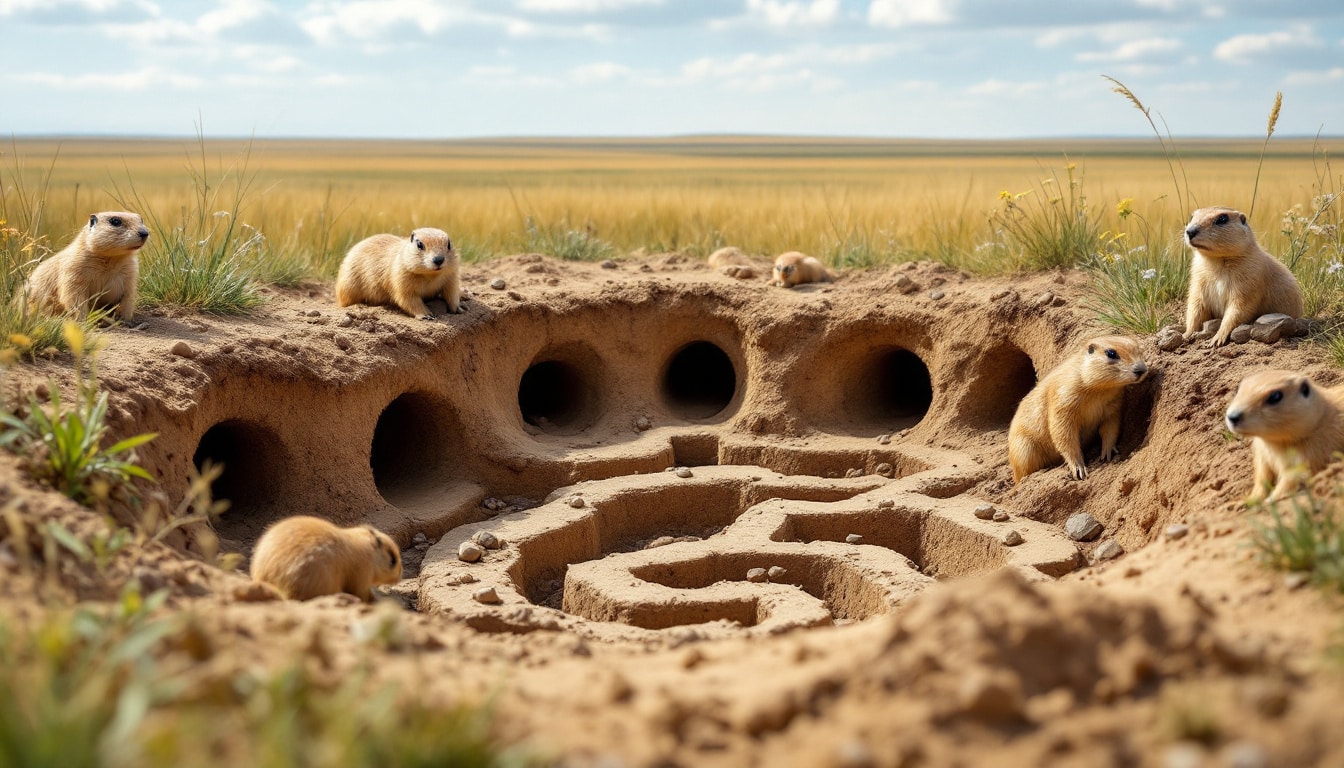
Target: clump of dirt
<point>752,524</point>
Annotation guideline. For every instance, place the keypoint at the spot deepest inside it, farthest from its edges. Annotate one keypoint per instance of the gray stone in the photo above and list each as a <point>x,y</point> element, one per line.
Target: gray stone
<point>886,504</point>
<point>756,575</point>
<point>1000,516</point>
<point>1296,579</point>
<point>884,439</point>
<point>643,424</point>
<point>486,539</point>
<point>1082,527</point>
<point>470,551</point>
<point>884,469</point>
<point>985,511</point>
<point>1272,327</point>
<point>1241,334</point>
<point>576,502</point>
<point>1177,531</point>
<point>1012,538</point>
<point>497,283</point>
<point>1109,550</point>
<point>1169,339</point>
<point>936,295</point>
<point>853,538</point>
<point>486,596</point>
<point>183,349</point>
<point>608,264</point>
<point>683,472</point>
<point>419,538</point>
<point>776,572</point>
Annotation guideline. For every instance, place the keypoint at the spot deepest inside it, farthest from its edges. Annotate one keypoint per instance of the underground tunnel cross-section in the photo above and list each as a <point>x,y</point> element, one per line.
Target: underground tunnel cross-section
<point>699,381</point>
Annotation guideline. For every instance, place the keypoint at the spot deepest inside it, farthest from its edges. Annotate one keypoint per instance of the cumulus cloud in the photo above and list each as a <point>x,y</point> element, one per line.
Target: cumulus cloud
<point>599,72</point>
<point>583,6</point>
<point>1244,48</point>
<point>996,87</point>
<point>138,80</point>
<point>1135,50</point>
<point>903,13</point>
<point>776,13</point>
<point>1332,75</point>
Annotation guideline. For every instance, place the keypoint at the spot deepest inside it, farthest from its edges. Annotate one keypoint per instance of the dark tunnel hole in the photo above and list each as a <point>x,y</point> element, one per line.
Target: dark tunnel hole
<point>554,394</point>
<point>408,444</point>
<point>898,387</point>
<point>252,465</point>
<point>699,381</point>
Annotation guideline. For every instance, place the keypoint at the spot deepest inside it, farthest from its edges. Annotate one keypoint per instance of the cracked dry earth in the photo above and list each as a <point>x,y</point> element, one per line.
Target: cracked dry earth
<point>735,524</point>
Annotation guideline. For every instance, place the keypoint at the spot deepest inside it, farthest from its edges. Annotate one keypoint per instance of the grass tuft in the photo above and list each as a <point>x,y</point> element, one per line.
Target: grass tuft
<point>1309,539</point>
<point>1047,227</point>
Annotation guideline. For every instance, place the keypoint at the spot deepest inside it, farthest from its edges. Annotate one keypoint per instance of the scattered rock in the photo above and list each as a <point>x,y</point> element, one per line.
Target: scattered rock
<point>643,424</point>
<point>661,541</point>
<point>776,573</point>
<point>886,504</point>
<point>1012,538</point>
<point>1272,327</point>
<point>576,502</point>
<point>1082,527</point>
<point>516,296</point>
<point>985,511</point>
<point>853,538</point>
<point>853,472</point>
<point>1241,334</point>
<point>757,575</point>
<point>466,578</point>
<point>608,264</point>
<point>884,469</point>
<point>1169,339</point>
<point>497,284</point>
<point>487,539</point>
<point>884,439</point>
<point>486,596</point>
<point>1000,516</point>
<point>345,322</point>
<point>1109,550</point>
<point>314,313</point>
<point>936,295</point>
<point>470,551</point>
<point>1177,531</point>
<point>1043,299</point>
<point>682,472</point>
<point>183,349</point>
<point>419,538</point>
<point>42,391</point>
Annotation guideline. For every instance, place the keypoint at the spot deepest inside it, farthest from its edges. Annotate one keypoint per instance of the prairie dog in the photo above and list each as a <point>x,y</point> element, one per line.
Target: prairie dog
<point>732,262</point>
<point>1079,397</point>
<point>793,268</point>
<point>1231,277</point>
<point>306,557</point>
<point>403,272</point>
<point>97,269</point>
<point>1296,425</point>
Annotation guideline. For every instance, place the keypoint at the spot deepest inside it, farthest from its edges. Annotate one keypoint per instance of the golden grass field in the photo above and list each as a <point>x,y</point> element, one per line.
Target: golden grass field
<point>851,202</point>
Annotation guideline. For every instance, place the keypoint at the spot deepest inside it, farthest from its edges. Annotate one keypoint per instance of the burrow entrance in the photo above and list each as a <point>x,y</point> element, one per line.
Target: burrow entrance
<point>253,464</point>
<point>411,446</point>
<point>699,381</point>
<point>561,392</point>
<point>892,386</point>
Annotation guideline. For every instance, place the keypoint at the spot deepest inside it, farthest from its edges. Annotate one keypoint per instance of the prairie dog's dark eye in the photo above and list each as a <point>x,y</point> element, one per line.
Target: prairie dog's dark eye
<point>1222,219</point>
<point>1274,397</point>
<point>115,221</point>
<point>420,245</point>
<point>448,244</point>
<point>1112,354</point>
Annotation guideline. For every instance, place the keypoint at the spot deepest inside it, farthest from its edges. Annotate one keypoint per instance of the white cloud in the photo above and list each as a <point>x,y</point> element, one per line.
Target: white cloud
<point>996,87</point>
<point>901,13</point>
<point>583,6</point>
<point>139,80</point>
<point>1243,48</point>
<point>1134,50</point>
<point>1332,75</point>
<point>776,13</point>
<point>599,72</point>
<point>14,7</point>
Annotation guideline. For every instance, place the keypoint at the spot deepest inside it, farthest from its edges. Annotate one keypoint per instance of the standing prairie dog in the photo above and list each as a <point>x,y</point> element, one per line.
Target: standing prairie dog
<point>1080,396</point>
<point>793,268</point>
<point>1296,425</point>
<point>306,557</point>
<point>387,269</point>
<point>1231,277</point>
<point>97,269</point>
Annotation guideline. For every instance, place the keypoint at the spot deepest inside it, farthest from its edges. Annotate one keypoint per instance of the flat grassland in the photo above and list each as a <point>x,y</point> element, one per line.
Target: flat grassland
<point>851,202</point>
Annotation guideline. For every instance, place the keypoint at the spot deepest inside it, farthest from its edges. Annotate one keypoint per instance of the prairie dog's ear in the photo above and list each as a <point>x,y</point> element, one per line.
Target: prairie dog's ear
<point>93,219</point>
<point>1243,218</point>
<point>1305,387</point>
<point>1091,348</point>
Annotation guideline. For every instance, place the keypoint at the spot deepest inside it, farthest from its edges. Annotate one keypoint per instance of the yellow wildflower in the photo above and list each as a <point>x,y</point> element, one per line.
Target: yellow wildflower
<point>1125,207</point>
<point>20,340</point>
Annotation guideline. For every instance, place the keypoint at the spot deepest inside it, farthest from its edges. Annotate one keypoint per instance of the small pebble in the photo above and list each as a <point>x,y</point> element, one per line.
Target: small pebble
<point>661,541</point>
<point>1012,538</point>
<point>345,322</point>
<point>884,469</point>
<point>776,573</point>
<point>643,424</point>
<point>419,538</point>
<point>682,472</point>
<point>1000,516</point>
<point>985,511</point>
<point>497,283</point>
<point>314,313</point>
<point>1082,527</point>
<point>183,349</point>
<point>576,502</point>
<point>853,538</point>
<point>756,575</point>
<point>486,539</point>
<point>487,596</point>
<point>936,295</point>
<point>470,551</point>
<point>466,578</point>
<point>884,439</point>
<point>1109,550</point>
<point>608,264</point>
<point>1177,531</point>
<point>886,504</point>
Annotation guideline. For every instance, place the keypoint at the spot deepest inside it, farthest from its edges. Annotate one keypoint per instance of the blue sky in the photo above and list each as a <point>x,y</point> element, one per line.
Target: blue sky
<point>459,68</point>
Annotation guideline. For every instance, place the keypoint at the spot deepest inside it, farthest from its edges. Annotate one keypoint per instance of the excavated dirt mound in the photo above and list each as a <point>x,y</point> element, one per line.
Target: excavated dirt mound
<point>739,524</point>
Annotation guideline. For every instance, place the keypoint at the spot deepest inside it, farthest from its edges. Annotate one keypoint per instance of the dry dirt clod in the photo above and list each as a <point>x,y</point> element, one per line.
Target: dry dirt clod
<point>757,575</point>
<point>486,596</point>
<point>345,322</point>
<point>985,511</point>
<point>486,539</point>
<point>853,538</point>
<point>990,695</point>
<point>884,469</point>
<point>1082,527</point>
<point>682,472</point>
<point>183,349</point>
<point>608,264</point>
<point>1169,339</point>
<point>419,538</point>
<point>1296,579</point>
<point>643,424</point>
<point>884,439</point>
<point>776,572</point>
<point>470,552</point>
<point>1109,550</point>
<point>1012,538</point>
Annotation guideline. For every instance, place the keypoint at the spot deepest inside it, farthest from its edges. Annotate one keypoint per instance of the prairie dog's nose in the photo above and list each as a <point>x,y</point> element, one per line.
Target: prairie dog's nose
<point>1234,417</point>
<point>1191,232</point>
<point>144,233</point>
<point>1140,370</point>
<point>438,260</point>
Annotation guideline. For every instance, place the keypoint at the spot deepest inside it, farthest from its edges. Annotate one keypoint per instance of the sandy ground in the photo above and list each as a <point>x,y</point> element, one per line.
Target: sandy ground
<point>641,435</point>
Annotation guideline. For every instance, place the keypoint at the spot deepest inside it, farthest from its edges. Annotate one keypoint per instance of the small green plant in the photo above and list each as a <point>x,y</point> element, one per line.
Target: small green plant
<point>1310,539</point>
<point>62,442</point>
<point>1049,226</point>
<point>1137,287</point>
<point>565,243</point>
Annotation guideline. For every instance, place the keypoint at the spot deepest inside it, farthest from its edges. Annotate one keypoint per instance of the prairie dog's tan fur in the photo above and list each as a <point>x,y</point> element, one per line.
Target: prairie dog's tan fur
<point>793,268</point>
<point>1231,277</point>
<point>306,557</point>
<point>1079,397</point>
<point>97,269</point>
<point>402,271</point>
<point>732,262</point>
<point>1296,425</point>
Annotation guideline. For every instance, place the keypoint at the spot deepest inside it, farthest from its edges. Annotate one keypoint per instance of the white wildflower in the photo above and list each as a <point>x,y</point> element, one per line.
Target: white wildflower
<point>1149,274</point>
<point>1333,268</point>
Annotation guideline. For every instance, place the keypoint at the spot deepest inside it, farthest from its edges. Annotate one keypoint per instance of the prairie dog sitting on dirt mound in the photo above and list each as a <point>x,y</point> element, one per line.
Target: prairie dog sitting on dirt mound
<point>1232,277</point>
<point>1080,396</point>
<point>733,262</point>
<point>387,269</point>
<point>97,269</point>
<point>1296,425</point>
<point>793,268</point>
<point>306,557</point>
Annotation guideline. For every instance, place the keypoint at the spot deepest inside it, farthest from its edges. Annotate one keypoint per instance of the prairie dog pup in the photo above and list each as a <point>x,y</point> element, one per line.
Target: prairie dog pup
<point>732,262</point>
<point>306,557</point>
<point>1296,425</point>
<point>1079,397</point>
<point>1232,277</point>
<point>97,269</point>
<point>793,268</point>
<point>403,272</point>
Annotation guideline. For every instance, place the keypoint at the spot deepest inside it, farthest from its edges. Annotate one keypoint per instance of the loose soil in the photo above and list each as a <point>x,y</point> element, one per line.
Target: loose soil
<point>642,434</point>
